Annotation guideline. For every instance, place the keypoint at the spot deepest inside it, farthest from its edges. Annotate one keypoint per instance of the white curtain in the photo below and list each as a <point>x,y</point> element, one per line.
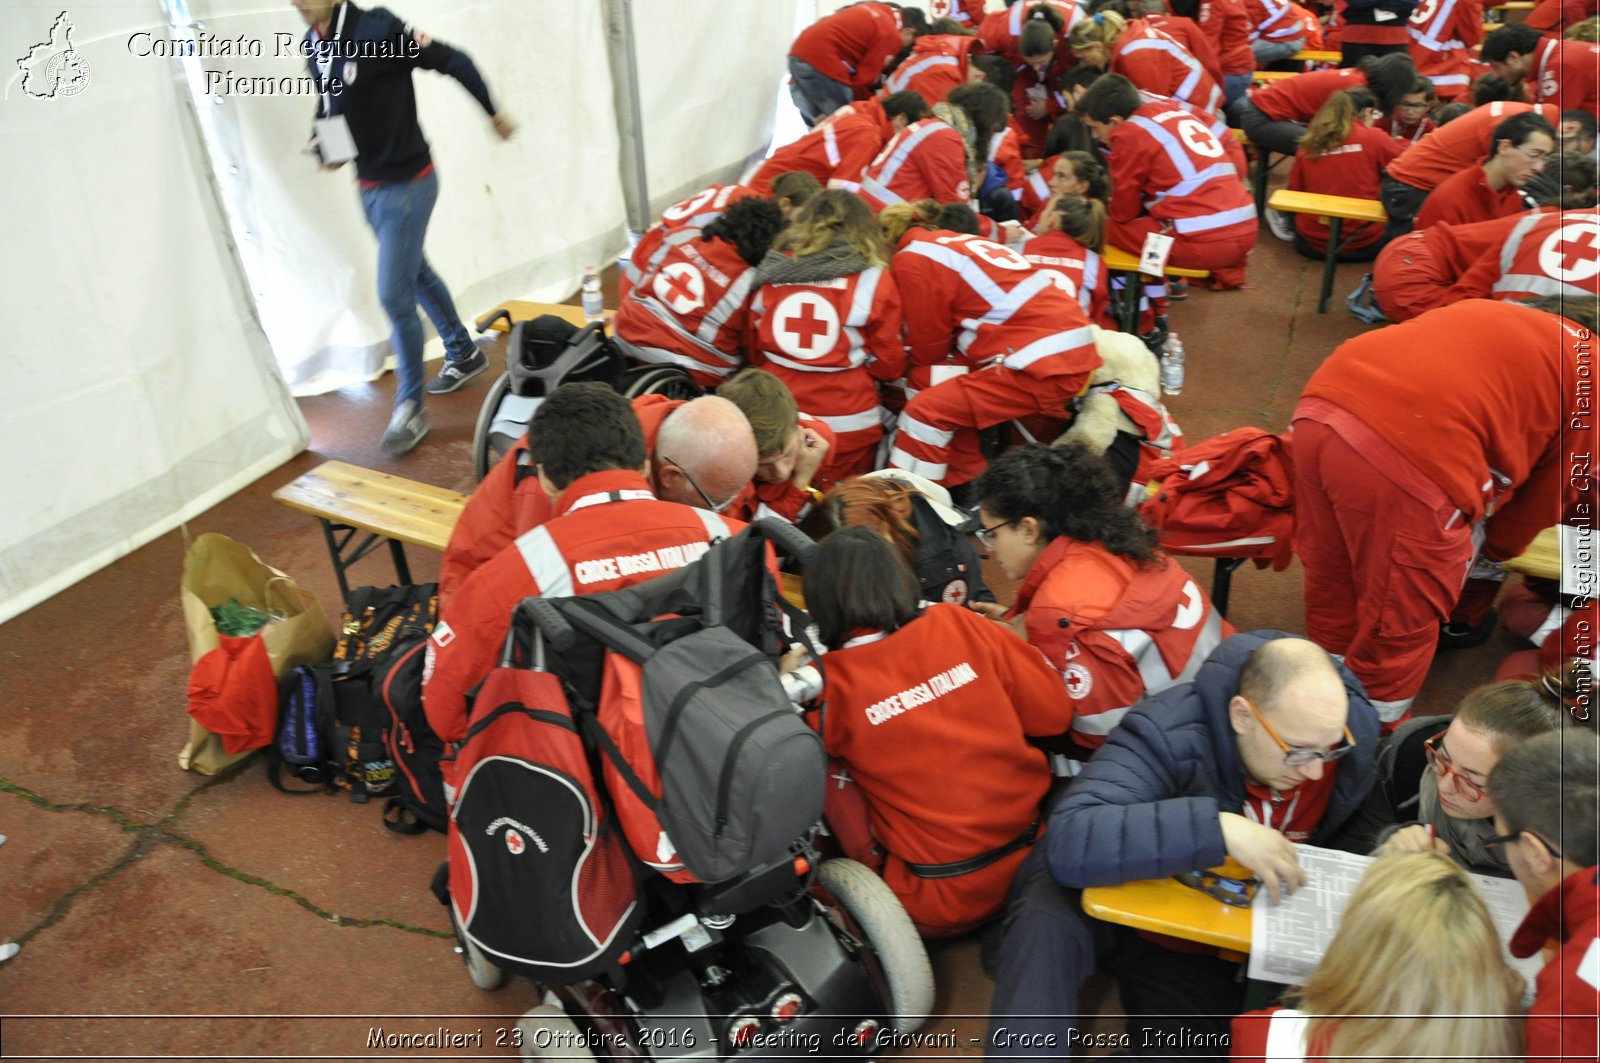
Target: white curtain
<point>514,218</point>
<point>138,387</point>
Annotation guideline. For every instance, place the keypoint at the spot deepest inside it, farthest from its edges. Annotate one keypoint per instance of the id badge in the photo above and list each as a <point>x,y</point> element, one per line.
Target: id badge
<point>334,142</point>
<point>1153,259</point>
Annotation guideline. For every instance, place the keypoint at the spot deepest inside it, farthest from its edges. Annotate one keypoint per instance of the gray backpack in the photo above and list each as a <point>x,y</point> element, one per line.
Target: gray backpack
<point>710,767</point>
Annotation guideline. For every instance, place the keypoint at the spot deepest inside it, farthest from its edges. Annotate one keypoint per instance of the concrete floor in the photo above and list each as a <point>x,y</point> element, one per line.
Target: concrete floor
<point>165,914</point>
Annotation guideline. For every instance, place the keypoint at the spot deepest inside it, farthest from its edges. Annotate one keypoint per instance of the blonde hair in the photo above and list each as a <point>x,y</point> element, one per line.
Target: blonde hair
<point>1587,30</point>
<point>767,404</point>
<point>1415,971</point>
<point>834,218</point>
<point>1104,27</point>
<point>897,218</point>
<point>1330,126</point>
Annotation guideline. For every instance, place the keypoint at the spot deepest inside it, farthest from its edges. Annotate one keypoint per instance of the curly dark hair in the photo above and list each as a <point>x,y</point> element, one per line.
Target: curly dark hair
<point>1070,490</point>
<point>750,225</point>
<point>584,428</point>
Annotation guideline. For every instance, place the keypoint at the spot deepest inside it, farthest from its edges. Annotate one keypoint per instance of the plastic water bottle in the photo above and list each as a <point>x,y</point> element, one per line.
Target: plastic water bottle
<point>594,306</point>
<point>1172,366</point>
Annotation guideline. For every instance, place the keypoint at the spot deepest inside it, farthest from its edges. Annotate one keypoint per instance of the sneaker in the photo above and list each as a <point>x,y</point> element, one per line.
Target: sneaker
<point>1281,224</point>
<point>1458,636</point>
<point>406,429</point>
<point>456,373</point>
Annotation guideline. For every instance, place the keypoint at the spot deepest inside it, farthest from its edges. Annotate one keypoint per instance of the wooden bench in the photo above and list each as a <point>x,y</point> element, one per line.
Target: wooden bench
<point>1336,209</point>
<point>1266,77</point>
<point>351,501</point>
<point>1119,261</point>
<point>1317,57</point>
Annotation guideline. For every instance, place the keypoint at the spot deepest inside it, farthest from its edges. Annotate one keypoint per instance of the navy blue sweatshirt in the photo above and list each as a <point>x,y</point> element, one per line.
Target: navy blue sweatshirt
<point>369,82</point>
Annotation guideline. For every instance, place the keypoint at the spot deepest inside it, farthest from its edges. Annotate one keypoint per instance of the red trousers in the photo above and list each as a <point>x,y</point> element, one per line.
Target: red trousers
<point>937,436</point>
<point>1383,566</point>
<point>1405,279</point>
<point>1223,253</point>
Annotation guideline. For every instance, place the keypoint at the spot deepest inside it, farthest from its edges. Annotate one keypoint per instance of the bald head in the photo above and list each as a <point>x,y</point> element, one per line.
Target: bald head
<point>1299,694</point>
<point>709,439</point>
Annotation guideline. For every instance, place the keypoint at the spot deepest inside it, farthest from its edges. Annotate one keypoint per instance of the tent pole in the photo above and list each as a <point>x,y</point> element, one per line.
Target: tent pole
<point>630,129</point>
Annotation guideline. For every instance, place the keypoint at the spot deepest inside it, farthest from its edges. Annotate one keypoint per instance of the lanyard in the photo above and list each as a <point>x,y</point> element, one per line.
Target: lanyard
<point>603,497</point>
<point>325,61</point>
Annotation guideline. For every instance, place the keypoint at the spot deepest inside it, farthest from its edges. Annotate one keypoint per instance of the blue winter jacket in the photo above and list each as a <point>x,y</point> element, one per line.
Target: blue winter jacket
<point>1146,805</point>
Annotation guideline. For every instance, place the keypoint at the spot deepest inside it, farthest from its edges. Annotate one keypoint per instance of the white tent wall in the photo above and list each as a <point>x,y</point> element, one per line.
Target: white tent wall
<point>139,388</point>
<point>518,217</point>
<point>708,71</point>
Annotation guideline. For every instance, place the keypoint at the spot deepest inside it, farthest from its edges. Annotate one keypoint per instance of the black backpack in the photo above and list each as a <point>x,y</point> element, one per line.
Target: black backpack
<point>333,724</point>
<point>418,802</point>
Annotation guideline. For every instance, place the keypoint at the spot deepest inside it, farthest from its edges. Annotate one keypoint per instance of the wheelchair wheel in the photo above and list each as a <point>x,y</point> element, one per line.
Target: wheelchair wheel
<point>549,1033</point>
<point>876,911</point>
<point>666,380</point>
<point>484,974</point>
<point>486,448</point>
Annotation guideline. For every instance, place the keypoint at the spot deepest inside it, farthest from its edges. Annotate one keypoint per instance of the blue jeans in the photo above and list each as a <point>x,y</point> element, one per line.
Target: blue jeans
<point>1234,86</point>
<point>1272,51</point>
<point>398,214</point>
<point>816,95</point>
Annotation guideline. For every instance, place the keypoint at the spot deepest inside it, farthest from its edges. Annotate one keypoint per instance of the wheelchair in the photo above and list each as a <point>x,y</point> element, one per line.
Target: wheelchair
<point>541,355</point>
<point>798,956</point>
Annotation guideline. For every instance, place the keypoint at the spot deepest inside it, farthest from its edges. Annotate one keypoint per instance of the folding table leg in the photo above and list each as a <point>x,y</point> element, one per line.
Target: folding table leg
<point>1335,233</point>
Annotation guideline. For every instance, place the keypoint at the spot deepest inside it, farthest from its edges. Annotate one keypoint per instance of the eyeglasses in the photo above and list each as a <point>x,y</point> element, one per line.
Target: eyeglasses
<point>1502,839</point>
<point>1439,761</point>
<point>1295,756</point>
<point>1534,155</point>
<point>986,535</point>
<point>715,507</point>
<point>1238,892</point>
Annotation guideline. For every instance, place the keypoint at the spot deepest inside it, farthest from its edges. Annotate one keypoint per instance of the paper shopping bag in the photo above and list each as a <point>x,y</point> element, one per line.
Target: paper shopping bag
<point>216,571</point>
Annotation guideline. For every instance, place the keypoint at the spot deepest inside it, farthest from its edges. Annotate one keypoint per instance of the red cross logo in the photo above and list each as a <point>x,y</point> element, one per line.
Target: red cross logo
<point>989,251</point>
<point>515,843</point>
<point>680,211</point>
<point>681,287</point>
<point>1198,138</point>
<point>1572,252</point>
<point>1062,281</point>
<point>1079,680</point>
<point>939,8</point>
<point>805,325</point>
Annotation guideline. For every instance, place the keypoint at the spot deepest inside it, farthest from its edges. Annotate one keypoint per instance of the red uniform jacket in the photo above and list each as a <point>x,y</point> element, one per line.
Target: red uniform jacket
<point>786,500</point>
<point>1029,87</point>
<point>1566,74</point>
<point>690,308</point>
<point>979,302</point>
<point>1555,17</point>
<point>1298,98</point>
<point>1481,405</point>
<point>1443,35</point>
<point>510,500</point>
<point>830,342</point>
<point>696,212</point>
<point>967,12</point>
<point>1073,268</point>
<point>1543,254</point>
<point>1466,197</point>
<point>835,152</point>
<point>1226,23</point>
<point>1407,133</point>
<point>1001,31</point>
<point>1187,32</point>
<point>932,722</point>
<point>1005,151</point>
<point>1115,631</point>
<point>607,531</point>
<point>851,45</point>
<point>937,64</point>
<point>925,160</point>
<point>1170,166</point>
<point>1154,61</point>
<point>1454,147</point>
<point>1273,20</point>
<point>1219,128</point>
<point>1568,985</point>
<point>1283,1029</point>
<point>1354,168</point>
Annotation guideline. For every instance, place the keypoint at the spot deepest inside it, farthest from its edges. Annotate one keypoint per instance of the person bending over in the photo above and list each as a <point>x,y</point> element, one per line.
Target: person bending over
<point>1342,155</point>
<point>930,709</point>
<point>916,516</point>
<point>1494,188</point>
<point>1270,744</point>
<point>794,452</point>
